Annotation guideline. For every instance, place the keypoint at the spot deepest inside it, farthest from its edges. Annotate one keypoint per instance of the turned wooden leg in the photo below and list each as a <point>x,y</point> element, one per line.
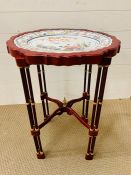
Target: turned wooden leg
<point>29,97</point>
<point>98,98</point>
<point>86,90</point>
<point>43,90</point>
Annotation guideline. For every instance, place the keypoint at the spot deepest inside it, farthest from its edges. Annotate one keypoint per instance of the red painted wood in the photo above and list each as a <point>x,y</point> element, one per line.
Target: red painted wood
<point>25,57</point>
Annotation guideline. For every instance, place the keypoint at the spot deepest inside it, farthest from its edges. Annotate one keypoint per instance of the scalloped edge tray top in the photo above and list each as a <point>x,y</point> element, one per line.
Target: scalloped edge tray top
<point>62,46</point>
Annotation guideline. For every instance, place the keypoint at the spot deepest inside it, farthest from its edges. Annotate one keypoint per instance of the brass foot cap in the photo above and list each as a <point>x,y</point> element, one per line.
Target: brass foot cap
<point>40,155</point>
<point>89,156</point>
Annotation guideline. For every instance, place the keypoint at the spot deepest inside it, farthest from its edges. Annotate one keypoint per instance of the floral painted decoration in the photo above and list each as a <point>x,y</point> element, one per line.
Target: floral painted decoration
<point>63,41</point>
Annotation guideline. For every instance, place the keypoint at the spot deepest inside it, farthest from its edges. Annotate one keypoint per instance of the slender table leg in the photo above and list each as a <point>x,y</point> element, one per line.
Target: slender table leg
<point>44,81</point>
<point>85,77</point>
<point>93,131</point>
<point>29,97</point>
<point>43,92</point>
<point>88,91</point>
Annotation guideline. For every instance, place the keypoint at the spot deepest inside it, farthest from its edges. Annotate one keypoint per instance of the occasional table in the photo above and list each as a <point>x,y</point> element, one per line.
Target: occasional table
<point>64,47</point>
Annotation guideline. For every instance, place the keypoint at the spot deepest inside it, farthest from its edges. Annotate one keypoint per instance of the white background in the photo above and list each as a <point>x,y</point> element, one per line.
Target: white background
<point>113,17</point>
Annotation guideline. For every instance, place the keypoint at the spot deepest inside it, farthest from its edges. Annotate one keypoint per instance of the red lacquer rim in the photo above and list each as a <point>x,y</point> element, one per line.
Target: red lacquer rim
<point>109,51</point>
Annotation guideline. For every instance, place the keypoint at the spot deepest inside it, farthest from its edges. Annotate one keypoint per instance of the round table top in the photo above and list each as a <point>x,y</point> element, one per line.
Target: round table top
<point>61,46</point>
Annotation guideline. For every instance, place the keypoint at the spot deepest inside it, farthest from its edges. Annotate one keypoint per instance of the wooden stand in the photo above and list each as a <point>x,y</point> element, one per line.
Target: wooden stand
<point>101,57</point>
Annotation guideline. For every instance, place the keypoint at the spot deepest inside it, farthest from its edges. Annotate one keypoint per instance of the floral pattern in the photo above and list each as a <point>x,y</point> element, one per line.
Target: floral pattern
<point>63,41</point>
